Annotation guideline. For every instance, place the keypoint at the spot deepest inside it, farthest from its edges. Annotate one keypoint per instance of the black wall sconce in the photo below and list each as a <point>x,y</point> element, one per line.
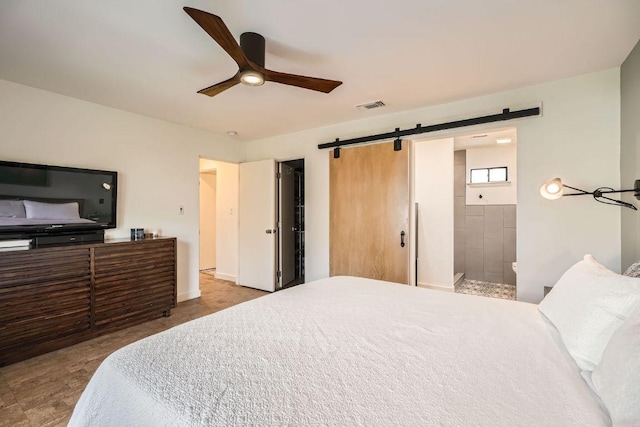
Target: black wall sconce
<point>554,189</point>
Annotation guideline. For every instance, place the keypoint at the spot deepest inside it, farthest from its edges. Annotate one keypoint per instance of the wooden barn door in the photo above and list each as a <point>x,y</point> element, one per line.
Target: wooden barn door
<point>369,205</point>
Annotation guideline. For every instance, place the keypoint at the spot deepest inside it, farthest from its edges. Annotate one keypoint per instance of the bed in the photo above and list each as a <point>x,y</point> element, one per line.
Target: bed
<point>348,351</point>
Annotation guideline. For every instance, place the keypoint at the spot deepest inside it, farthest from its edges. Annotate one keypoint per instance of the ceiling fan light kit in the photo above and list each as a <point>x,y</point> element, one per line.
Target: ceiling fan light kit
<point>249,55</point>
<point>251,78</point>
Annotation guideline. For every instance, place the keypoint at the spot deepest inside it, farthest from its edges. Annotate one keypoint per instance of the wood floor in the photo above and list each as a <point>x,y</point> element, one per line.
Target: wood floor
<point>42,391</point>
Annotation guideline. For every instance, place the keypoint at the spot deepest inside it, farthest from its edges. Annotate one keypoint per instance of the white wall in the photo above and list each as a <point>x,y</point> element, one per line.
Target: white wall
<point>207,220</point>
<point>226,217</point>
<point>577,138</point>
<point>433,191</point>
<point>489,157</point>
<point>157,161</point>
<point>630,154</point>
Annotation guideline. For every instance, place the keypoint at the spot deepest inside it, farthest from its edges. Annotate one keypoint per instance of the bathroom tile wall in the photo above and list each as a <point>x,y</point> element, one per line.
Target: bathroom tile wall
<point>484,235</point>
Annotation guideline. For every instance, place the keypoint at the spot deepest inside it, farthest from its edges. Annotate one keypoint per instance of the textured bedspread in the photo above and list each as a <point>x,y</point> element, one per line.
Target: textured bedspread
<point>347,351</point>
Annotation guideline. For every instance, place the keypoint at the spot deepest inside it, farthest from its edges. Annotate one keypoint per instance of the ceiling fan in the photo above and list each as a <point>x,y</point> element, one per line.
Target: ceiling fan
<point>249,55</point>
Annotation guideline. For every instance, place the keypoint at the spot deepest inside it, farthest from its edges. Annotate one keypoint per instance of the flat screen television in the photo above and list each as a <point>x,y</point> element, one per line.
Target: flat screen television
<point>45,200</point>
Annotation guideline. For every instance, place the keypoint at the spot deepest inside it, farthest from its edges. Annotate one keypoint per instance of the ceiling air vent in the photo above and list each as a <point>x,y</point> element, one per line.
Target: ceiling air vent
<point>370,105</point>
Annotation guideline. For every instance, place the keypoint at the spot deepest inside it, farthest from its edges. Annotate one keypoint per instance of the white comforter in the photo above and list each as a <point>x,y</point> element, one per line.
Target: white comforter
<point>347,351</point>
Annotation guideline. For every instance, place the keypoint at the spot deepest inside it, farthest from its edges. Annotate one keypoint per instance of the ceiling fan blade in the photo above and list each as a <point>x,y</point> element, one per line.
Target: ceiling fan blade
<point>215,27</point>
<point>219,87</point>
<point>312,83</point>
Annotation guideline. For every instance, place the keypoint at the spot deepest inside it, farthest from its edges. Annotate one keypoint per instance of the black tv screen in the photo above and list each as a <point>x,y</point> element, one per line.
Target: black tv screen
<point>36,198</point>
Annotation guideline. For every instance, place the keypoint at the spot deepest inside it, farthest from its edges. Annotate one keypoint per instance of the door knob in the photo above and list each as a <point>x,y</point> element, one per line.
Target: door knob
<point>270,231</point>
<point>402,233</point>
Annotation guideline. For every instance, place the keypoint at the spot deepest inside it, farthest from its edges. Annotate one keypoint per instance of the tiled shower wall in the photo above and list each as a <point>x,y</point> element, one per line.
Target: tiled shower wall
<point>485,235</point>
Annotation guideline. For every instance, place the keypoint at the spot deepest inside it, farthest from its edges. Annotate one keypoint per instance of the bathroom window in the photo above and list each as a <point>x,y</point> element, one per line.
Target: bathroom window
<point>485,175</point>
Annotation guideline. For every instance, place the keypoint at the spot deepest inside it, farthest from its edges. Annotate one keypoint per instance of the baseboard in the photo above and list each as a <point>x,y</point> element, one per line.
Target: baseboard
<point>189,295</point>
<point>436,287</point>
<point>223,276</point>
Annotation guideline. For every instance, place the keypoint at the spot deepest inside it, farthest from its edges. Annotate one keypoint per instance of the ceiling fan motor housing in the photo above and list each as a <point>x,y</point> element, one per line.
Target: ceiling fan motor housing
<point>252,45</point>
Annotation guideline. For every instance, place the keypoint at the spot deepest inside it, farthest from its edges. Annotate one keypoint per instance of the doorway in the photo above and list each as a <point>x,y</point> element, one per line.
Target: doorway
<point>485,210</point>
<point>465,193</point>
<point>218,220</point>
<point>271,224</point>
<point>290,219</point>
<point>208,221</point>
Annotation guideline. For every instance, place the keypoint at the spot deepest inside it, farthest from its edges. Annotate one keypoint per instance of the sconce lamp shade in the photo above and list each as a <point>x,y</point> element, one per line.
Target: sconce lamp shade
<point>553,189</point>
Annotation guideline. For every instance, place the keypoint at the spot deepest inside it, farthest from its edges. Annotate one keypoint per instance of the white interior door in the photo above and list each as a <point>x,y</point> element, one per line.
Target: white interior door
<point>257,225</point>
<point>287,219</point>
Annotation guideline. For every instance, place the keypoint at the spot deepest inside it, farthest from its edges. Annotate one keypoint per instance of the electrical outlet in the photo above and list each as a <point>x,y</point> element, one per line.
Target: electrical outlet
<point>180,210</point>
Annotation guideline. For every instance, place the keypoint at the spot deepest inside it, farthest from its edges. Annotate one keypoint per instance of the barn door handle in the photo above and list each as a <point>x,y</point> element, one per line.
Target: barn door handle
<point>402,233</point>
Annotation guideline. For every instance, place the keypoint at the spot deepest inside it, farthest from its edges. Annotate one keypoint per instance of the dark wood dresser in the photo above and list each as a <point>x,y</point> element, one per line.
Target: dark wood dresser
<point>58,296</point>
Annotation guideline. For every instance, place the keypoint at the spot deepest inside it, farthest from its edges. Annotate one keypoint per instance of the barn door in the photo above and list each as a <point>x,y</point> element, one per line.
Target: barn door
<point>369,212</point>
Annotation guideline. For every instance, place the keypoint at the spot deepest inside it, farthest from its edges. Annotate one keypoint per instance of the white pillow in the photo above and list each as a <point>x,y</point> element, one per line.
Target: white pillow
<point>617,378</point>
<point>12,209</point>
<point>587,305</point>
<point>633,270</point>
<point>39,210</point>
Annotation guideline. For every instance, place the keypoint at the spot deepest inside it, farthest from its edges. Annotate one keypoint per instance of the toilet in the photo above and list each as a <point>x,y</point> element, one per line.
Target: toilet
<point>514,266</point>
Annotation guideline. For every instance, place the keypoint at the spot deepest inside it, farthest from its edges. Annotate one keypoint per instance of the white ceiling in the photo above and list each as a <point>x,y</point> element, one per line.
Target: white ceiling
<point>484,139</point>
<point>149,57</point>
